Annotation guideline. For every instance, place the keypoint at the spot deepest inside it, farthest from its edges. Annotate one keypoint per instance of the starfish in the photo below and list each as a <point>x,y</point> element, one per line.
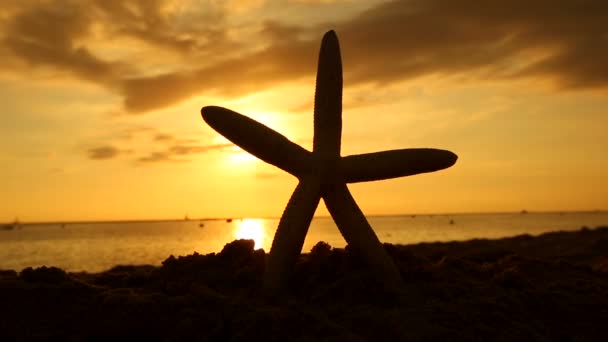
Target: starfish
<point>324,173</point>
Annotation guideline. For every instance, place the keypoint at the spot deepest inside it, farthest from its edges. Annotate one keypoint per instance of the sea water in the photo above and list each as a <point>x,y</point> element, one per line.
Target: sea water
<point>97,246</point>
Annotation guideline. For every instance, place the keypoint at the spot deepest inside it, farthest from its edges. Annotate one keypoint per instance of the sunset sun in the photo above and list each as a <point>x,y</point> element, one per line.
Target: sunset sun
<point>251,229</point>
<point>253,169</point>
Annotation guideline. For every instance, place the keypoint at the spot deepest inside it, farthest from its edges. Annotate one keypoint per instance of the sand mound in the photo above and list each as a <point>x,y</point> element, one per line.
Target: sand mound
<point>550,287</point>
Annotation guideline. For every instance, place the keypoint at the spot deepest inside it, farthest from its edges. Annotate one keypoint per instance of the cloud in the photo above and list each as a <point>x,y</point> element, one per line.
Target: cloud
<point>163,137</point>
<point>181,150</point>
<point>566,42</point>
<point>52,35</point>
<point>316,2</point>
<point>181,26</point>
<point>62,35</point>
<point>401,40</point>
<point>103,152</point>
<point>231,77</point>
<point>178,151</point>
<point>149,145</point>
<point>172,153</point>
<point>154,157</point>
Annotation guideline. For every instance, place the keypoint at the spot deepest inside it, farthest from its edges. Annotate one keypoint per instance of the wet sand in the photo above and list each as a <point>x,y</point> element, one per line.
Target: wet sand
<point>549,287</point>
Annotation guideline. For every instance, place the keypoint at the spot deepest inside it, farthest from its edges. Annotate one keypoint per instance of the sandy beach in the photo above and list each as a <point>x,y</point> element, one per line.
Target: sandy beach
<point>548,287</point>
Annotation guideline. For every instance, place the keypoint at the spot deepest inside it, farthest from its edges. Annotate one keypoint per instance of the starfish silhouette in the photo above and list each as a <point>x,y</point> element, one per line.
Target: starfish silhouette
<point>323,173</point>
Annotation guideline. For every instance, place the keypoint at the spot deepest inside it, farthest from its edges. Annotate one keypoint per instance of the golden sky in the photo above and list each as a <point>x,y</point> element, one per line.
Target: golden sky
<point>101,103</point>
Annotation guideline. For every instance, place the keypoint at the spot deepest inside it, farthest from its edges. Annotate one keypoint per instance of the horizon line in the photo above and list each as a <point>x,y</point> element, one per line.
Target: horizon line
<point>207,219</point>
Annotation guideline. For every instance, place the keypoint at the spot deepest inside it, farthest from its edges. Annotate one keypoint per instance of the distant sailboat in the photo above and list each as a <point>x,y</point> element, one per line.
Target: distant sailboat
<point>11,226</point>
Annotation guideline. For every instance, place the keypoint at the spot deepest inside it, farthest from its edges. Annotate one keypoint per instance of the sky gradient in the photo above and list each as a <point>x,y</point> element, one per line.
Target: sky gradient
<point>101,103</point>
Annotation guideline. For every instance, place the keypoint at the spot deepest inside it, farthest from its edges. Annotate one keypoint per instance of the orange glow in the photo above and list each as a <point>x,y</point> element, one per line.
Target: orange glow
<point>241,157</point>
<point>115,131</point>
<point>251,229</point>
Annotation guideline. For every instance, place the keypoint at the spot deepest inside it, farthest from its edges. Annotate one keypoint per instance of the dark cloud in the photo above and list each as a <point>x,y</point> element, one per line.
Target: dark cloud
<point>149,21</point>
<point>48,35</point>
<point>57,34</point>
<point>177,152</point>
<point>235,76</point>
<point>142,19</point>
<point>564,41</point>
<point>154,157</point>
<point>103,152</point>
<point>158,146</point>
<point>398,40</point>
<point>280,32</point>
<point>163,137</point>
<point>181,150</point>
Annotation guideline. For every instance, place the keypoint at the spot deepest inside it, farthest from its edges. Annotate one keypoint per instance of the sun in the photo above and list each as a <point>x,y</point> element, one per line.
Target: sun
<point>235,156</point>
<point>251,229</point>
<point>239,156</point>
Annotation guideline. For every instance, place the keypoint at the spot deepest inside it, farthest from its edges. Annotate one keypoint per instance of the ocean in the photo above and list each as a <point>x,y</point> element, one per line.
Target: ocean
<point>98,246</point>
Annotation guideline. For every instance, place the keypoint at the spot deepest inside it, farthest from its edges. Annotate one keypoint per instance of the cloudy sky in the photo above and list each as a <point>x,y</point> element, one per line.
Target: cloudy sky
<point>101,103</point>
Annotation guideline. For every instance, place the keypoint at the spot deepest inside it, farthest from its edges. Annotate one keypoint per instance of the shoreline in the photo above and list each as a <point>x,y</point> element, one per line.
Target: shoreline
<point>551,286</point>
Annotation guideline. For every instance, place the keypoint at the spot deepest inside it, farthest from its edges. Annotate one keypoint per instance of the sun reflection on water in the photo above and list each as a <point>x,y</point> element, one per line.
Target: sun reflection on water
<point>252,229</point>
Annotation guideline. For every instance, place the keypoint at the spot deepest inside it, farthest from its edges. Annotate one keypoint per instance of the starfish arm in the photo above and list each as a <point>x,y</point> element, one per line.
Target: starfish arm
<point>328,98</point>
<point>394,163</point>
<point>290,235</point>
<point>359,234</point>
<point>258,140</point>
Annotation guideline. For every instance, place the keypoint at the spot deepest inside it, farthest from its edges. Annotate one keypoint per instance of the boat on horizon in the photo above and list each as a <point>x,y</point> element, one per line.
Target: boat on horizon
<point>11,226</point>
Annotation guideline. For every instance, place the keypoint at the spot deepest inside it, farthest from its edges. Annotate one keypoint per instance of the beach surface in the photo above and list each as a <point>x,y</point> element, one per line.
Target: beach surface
<point>548,287</point>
